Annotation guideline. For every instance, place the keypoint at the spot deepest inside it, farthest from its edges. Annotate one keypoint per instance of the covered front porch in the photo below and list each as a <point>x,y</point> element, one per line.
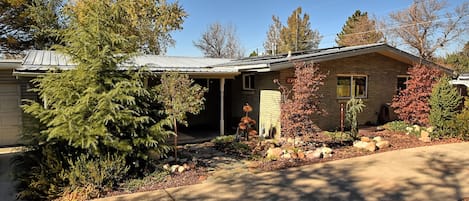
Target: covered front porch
<point>209,123</point>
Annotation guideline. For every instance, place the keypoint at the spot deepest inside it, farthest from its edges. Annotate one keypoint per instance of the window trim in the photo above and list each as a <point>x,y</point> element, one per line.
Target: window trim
<point>252,80</point>
<point>351,76</point>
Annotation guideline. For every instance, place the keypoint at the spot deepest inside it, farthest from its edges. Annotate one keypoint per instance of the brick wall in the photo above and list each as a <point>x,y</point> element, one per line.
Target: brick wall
<point>382,75</point>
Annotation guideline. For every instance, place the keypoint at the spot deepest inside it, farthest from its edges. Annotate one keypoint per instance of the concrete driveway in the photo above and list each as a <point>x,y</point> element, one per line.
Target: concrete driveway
<point>426,173</point>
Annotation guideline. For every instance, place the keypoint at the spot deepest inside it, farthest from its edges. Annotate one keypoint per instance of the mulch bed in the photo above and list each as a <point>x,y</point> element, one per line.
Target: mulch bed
<point>340,151</point>
<point>397,140</point>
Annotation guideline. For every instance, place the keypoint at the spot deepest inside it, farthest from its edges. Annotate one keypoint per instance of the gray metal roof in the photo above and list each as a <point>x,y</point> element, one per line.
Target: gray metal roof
<point>41,60</point>
<point>271,63</point>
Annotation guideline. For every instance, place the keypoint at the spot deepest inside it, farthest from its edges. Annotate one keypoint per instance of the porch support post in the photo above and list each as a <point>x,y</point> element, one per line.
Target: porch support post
<point>222,106</point>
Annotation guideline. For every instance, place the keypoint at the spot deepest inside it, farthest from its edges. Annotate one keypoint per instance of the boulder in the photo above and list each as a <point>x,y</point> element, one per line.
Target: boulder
<point>274,153</point>
<point>294,155</point>
<point>326,152</point>
<point>360,144</point>
<point>425,136</point>
<point>383,144</point>
<point>377,139</point>
<point>174,168</point>
<point>371,146</point>
<point>186,166</point>
<point>312,155</point>
<point>365,139</point>
<point>317,153</point>
<point>286,156</point>
<point>181,169</point>
<point>301,155</point>
<point>166,167</point>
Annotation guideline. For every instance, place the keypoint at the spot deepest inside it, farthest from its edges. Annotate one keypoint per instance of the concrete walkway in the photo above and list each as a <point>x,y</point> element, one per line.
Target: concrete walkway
<point>7,190</point>
<point>426,173</point>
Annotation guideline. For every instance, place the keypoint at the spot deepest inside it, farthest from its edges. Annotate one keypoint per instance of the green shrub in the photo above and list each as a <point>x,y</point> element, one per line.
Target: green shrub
<point>461,124</point>
<point>396,126</point>
<point>224,139</point>
<point>132,185</point>
<point>444,103</point>
<point>339,136</point>
<point>99,173</point>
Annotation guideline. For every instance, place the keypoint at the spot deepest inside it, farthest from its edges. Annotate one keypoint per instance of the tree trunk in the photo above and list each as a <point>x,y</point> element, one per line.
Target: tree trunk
<point>175,140</point>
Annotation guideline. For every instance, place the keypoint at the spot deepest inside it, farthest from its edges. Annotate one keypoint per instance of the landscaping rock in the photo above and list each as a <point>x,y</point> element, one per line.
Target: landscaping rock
<point>174,168</point>
<point>186,166</point>
<point>377,139</point>
<point>317,153</point>
<point>166,167</point>
<point>181,169</point>
<point>274,153</point>
<point>425,136</point>
<point>365,139</point>
<point>301,155</point>
<point>294,155</point>
<point>371,146</point>
<point>326,152</point>
<point>286,156</point>
<point>311,155</point>
<point>383,144</point>
<point>360,144</point>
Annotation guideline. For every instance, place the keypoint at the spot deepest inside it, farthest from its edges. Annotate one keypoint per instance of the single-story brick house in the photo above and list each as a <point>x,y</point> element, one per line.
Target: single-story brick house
<point>371,72</point>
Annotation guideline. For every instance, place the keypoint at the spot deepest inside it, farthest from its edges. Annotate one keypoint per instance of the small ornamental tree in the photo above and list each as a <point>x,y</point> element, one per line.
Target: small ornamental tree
<point>179,95</point>
<point>412,104</point>
<point>354,106</point>
<point>300,103</point>
<point>444,104</point>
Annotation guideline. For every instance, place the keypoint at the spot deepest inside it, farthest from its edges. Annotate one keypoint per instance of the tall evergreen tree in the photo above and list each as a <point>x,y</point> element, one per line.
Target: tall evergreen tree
<point>359,30</point>
<point>298,35</point>
<point>444,103</point>
<point>97,109</point>
<point>459,60</point>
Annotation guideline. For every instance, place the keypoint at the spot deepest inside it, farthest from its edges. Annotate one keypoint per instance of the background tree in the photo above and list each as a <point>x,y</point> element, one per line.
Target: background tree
<point>273,36</point>
<point>95,113</point>
<point>425,28</point>
<point>302,102</point>
<point>444,103</point>
<point>26,24</point>
<point>359,30</point>
<point>459,60</point>
<point>412,104</point>
<point>220,41</point>
<point>36,24</point>
<point>298,35</point>
<point>179,95</point>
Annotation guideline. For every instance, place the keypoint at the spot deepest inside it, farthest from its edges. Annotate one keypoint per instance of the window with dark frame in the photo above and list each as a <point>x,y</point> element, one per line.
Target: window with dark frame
<point>352,85</point>
<point>248,82</point>
<point>401,82</point>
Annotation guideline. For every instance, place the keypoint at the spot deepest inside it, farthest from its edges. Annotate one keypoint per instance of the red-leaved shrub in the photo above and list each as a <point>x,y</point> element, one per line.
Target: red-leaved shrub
<point>302,101</point>
<point>412,104</point>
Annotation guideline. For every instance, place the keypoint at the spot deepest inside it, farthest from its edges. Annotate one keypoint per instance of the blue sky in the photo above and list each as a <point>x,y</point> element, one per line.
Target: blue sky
<point>253,17</point>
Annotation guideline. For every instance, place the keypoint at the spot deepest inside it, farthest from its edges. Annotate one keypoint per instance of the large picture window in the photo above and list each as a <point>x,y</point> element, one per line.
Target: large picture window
<point>352,85</point>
